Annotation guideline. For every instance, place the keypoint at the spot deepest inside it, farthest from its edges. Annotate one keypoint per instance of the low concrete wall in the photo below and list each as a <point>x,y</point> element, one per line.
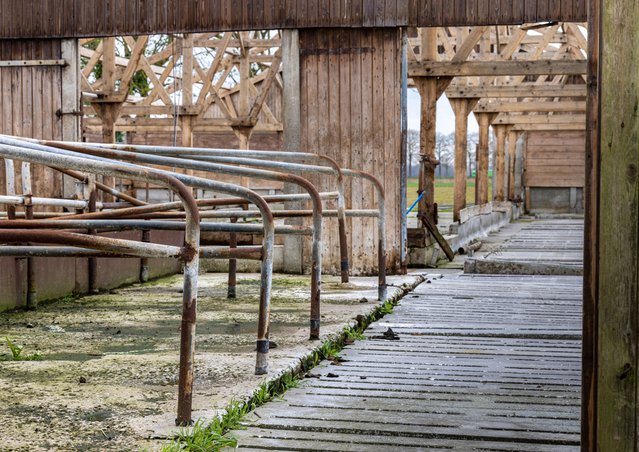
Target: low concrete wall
<point>556,200</point>
<point>59,277</point>
<point>475,222</point>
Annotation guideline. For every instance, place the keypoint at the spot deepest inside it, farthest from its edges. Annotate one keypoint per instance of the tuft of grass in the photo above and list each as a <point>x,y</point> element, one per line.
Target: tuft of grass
<point>199,438</point>
<point>211,437</point>
<point>16,352</point>
<point>355,334</point>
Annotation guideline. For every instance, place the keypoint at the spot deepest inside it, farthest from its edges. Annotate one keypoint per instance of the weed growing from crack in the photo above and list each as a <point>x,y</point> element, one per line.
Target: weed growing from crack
<point>211,437</point>
<point>16,352</point>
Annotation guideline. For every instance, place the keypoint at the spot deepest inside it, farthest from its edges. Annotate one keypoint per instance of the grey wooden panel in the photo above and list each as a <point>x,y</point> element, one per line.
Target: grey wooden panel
<point>88,18</point>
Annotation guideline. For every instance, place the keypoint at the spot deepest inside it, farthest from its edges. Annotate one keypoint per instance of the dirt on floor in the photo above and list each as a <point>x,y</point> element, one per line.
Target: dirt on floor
<point>101,371</point>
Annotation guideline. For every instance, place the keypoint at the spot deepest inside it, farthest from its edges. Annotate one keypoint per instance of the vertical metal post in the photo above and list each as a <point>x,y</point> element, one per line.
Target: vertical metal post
<point>93,261</point>
<point>28,208</point>
<point>232,264</point>
<point>144,262</point>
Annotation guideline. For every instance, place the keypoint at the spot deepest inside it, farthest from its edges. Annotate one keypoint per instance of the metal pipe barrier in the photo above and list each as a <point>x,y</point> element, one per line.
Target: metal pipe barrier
<point>252,158</point>
<point>101,246</point>
<point>188,253</point>
<point>174,162</point>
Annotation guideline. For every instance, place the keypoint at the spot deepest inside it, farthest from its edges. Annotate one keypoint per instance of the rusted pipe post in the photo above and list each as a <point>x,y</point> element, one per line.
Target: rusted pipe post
<point>92,261</point>
<point>144,262</point>
<point>230,293</point>
<point>32,297</point>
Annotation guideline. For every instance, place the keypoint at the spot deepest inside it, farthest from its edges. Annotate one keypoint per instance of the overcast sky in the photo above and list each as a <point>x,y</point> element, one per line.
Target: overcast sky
<point>445,115</point>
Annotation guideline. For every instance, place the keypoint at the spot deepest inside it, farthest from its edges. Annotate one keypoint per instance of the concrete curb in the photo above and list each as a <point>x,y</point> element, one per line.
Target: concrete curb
<point>489,267</point>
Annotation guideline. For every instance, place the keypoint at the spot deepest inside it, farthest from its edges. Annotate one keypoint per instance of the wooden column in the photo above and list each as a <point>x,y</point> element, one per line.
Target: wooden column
<point>617,304</point>
<point>512,153</point>
<point>500,136</point>
<point>109,112</point>
<point>481,184</point>
<point>589,415</point>
<point>427,87</point>
<point>462,108</point>
<point>70,101</point>
<point>291,112</point>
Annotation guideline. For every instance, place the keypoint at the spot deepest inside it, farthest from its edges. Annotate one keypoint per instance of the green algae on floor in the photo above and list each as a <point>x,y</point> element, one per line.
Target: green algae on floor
<point>108,373</point>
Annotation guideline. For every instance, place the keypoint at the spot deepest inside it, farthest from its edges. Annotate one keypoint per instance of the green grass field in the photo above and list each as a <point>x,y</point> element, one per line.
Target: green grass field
<point>444,192</point>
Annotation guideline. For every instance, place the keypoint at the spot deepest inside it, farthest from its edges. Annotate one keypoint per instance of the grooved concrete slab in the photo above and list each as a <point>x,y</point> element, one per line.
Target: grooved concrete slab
<point>483,362</point>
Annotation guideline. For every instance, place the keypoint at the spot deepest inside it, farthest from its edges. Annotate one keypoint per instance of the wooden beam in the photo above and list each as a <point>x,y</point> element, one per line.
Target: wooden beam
<point>527,90</point>
<point>30,63</point>
<point>548,127</point>
<point>495,68</point>
<point>505,107</point>
<point>539,119</point>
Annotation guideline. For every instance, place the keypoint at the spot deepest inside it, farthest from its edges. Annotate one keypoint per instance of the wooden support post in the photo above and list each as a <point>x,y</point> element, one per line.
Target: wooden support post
<point>291,112</point>
<point>617,214</point>
<point>186,127</point>
<point>70,108</point>
<point>481,185</point>
<point>187,70</point>
<point>109,113</point>
<point>462,108</point>
<point>427,87</point>
<point>108,66</point>
<point>498,189</point>
<point>512,152</point>
<point>589,414</point>
<point>244,133</point>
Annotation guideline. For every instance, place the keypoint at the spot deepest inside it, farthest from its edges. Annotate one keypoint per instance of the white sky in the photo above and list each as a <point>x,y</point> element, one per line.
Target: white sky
<point>445,115</point>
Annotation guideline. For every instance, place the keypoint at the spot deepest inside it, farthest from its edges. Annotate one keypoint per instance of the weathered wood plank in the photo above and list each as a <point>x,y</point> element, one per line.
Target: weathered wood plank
<point>87,16</point>
<point>618,207</point>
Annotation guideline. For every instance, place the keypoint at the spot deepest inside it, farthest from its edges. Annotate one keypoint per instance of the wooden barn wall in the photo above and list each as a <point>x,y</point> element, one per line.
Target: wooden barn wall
<point>30,106</point>
<point>87,18</point>
<point>350,111</point>
<point>31,97</point>
<point>555,159</point>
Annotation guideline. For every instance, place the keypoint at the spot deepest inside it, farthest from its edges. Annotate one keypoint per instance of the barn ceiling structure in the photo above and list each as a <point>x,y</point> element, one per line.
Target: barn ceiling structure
<point>355,47</point>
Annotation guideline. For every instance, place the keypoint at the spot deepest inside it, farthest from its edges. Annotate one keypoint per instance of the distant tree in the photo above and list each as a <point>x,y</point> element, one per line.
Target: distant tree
<point>471,145</point>
<point>445,151</point>
<point>413,152</point>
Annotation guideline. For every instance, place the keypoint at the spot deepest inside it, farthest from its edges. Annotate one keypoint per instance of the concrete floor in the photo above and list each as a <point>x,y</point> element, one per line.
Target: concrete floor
<point>473,362</point>
<point>107,379</point>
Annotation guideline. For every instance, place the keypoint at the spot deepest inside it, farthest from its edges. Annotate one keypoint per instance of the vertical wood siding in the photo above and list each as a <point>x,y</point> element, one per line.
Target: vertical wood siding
<point>68,18</point>
<point>350,94</point>
<point>31,98</point>
<point>555,159</point>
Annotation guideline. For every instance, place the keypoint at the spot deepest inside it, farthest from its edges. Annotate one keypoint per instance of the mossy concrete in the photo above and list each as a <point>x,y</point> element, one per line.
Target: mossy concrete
<point>108,378</point>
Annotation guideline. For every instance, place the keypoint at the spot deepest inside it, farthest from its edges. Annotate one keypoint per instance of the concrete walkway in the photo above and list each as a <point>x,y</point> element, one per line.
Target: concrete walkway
<point>479,362</point>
